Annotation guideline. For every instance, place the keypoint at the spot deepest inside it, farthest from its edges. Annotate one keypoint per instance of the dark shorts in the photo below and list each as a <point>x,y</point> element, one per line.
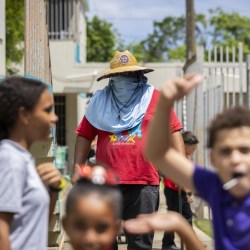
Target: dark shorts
<point>139,199</point>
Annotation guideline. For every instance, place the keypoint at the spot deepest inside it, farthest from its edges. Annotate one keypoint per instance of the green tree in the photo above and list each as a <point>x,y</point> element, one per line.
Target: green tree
<point>177,54</point>
<point>167,42</point>
<point>14,34</point>
<point>228,29</point>
<point>102,40</point>
<point>137,50</point>
<point>170,33</point>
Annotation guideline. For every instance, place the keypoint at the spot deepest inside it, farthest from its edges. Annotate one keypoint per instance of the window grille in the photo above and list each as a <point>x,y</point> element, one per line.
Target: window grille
<point>60,110</point>
<point>60,19</point>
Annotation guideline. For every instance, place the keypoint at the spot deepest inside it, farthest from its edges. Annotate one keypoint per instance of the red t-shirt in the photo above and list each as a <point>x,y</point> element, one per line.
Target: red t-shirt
<point>168,183</point>
<point>124,151</point>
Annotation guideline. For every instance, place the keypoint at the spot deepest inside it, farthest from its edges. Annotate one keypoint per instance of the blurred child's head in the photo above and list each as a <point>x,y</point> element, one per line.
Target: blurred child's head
<point>26,107</point>
<point>93,213</point>
<point>190,141</point>
<point>229,140</point>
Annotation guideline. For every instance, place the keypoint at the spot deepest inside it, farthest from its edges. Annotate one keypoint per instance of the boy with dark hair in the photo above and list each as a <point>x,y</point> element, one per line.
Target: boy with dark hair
<point>228,189</point>
<point>189,138</point>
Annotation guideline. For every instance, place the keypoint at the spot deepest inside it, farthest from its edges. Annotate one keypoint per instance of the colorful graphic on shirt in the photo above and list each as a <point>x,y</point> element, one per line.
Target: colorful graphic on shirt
<point>130,136</point>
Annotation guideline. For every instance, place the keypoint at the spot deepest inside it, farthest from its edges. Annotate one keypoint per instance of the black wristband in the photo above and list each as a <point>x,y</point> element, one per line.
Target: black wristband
<point>54,190</point>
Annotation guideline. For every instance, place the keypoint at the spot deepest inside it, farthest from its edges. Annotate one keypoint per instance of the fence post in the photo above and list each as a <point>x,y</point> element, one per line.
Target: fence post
<point>195,117</point>
<point>194,102</point>
<point>248,79</point>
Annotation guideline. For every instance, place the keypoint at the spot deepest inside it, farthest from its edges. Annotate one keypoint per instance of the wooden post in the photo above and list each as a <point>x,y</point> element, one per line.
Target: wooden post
<point>190,29</point>
<point>37,66</point>
<point>37,59</point>
<point>194,114</point>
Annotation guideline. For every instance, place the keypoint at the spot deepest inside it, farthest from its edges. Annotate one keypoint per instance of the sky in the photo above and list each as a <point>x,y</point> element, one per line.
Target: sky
<point>134,18</point>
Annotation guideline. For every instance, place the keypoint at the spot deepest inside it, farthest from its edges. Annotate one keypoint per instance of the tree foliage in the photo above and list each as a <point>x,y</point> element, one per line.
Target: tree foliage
<point>14,34</point>
<point>168,40</point>
<point>170,33</point>
<point>228,29</point>
<point>102,40</point>
<point>165,43</point>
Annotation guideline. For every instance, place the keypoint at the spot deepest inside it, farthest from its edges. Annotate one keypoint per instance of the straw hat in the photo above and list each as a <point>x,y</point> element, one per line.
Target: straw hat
<point>123,62</point>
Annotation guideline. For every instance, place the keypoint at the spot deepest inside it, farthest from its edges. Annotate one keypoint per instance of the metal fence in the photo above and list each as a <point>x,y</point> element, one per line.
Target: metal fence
<point>226,83</point>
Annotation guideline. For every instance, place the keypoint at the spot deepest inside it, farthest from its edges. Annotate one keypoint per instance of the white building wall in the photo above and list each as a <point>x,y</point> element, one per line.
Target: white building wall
<point>82,27</point>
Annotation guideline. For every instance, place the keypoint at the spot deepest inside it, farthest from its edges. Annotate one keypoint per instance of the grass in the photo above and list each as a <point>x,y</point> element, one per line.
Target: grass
<point>205,226</point>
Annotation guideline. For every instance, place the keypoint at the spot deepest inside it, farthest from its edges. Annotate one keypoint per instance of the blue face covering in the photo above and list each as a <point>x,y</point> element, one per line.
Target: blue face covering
<point>121,105</point>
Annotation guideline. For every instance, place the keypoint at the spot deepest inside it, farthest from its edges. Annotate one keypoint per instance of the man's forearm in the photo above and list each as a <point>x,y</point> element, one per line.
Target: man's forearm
<point>82,148</point>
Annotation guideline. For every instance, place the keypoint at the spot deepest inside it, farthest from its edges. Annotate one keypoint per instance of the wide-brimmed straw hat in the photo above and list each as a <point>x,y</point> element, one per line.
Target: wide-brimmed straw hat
<point>123,62</point>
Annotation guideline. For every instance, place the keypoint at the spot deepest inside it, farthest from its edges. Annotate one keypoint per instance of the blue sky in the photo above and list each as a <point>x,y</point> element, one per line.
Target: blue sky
<point>134,18</point>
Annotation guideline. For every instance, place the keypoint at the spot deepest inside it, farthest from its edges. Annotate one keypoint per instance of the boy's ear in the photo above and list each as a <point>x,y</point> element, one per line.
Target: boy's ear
<point>211,155</point>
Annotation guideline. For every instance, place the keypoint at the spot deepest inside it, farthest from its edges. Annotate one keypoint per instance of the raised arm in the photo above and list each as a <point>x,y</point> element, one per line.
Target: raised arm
<point>167,222</point>
<point>159,147</point>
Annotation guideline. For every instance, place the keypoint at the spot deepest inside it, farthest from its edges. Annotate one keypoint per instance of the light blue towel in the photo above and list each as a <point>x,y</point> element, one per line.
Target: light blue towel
<point>102,111</point>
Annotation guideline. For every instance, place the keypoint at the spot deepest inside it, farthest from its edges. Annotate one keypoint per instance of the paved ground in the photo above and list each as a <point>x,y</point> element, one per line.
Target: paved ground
<point>158,236</point>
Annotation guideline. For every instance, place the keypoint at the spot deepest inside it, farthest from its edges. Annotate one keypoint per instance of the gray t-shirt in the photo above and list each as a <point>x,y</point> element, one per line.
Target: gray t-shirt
<point>23,193</point>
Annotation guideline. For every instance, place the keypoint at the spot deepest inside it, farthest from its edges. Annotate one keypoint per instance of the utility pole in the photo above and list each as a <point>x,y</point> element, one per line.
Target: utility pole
<point>37,66</point>
<point>2,39</point>
<point>37,58</point>
<point>190,30</point>
<point>193,65</point>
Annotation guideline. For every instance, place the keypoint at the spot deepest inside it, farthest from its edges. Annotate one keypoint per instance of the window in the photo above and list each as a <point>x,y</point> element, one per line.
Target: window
<point>60,19</point>
<point>60,110</point>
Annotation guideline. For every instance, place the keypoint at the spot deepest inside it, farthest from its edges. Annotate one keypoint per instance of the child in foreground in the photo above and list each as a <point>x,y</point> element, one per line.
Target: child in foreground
<point>93,210</point>
<point>93,214</point>
<point>229,142</point>
<point>27,192</point>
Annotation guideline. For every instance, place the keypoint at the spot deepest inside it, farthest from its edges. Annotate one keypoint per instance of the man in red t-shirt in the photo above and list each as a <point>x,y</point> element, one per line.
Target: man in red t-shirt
<point>119,115</point>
